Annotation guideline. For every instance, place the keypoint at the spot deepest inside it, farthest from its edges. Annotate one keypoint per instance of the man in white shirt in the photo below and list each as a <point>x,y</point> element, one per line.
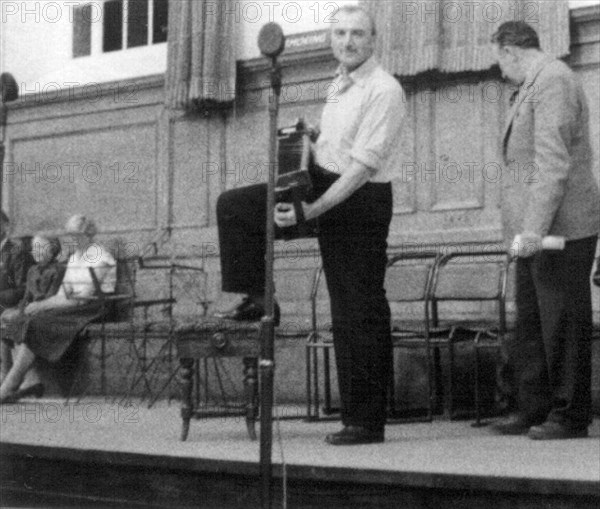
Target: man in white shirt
<point>355,158</point>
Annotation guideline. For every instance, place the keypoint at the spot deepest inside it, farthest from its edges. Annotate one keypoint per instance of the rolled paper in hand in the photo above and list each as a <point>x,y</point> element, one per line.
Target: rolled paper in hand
<point>524,249</point>
<point>553,242</point>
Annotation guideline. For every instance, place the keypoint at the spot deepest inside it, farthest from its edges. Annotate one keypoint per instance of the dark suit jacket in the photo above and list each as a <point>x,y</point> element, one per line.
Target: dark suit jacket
<point>548,184</point>
<point>15,260</point>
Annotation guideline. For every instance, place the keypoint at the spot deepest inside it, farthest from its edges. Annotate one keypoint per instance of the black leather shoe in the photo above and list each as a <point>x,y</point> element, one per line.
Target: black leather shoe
<point>35,390</point>
<point>555,431</point>
<point>9,398</point>
<point>355,435</point>
<point>513,425</point>
<point>249,311</point>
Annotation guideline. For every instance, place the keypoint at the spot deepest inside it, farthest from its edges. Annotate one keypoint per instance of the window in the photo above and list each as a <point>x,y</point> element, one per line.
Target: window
<point>112,25</point>
<point>124,24</point>
<point>82,31</point>
<point>160,21</point>
<point>137,23</point>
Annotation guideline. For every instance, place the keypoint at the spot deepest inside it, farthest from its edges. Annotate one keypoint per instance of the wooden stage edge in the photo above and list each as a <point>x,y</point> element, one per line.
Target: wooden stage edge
<point>442,464</point>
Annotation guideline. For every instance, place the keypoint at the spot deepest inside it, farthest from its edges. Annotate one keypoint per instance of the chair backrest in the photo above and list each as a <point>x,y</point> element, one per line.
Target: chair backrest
<point>408,280</point>
<point>408,276</point>
<point>320,319</point>
<point>476,276</point>
<point>121,310</point>
<point>118,305</point>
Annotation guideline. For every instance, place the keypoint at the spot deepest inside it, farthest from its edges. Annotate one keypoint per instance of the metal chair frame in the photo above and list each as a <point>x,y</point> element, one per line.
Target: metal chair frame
<point>423,334</point>
<point>320,339</point>
<point>484,333</point>
<point>105,300</point>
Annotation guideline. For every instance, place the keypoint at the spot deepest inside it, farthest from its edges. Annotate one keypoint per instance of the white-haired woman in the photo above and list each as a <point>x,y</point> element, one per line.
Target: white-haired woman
<point>49,326</point>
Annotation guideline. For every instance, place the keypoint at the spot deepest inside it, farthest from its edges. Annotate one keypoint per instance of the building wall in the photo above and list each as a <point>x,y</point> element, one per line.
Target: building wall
<point>112,151</point>
<point>28,25</point>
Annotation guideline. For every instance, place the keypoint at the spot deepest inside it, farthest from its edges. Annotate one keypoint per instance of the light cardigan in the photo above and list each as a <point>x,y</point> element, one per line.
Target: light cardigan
<point>78,282</point>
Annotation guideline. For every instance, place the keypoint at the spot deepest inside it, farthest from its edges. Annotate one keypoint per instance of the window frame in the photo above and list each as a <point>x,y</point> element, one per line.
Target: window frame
<point>97,42</point>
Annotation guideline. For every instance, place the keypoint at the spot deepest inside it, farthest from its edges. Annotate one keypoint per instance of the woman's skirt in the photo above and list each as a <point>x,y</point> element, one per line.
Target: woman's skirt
<point>50,333</point>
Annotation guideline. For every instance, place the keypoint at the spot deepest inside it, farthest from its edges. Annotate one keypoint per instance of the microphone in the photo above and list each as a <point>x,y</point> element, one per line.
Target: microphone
<point>271,40</point>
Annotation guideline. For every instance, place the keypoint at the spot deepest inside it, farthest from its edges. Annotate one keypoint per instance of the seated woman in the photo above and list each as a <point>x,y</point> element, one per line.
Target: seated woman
<point>50,325</point>
<point>43,281</point>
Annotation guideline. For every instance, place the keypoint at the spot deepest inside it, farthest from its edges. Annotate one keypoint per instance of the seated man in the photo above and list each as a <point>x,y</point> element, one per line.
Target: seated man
<point>15,260</point>
<point>358,143</point>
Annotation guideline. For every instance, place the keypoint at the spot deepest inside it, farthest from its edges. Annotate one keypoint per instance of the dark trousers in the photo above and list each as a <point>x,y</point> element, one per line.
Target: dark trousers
<point>551,355</point>
<point>353,241</point>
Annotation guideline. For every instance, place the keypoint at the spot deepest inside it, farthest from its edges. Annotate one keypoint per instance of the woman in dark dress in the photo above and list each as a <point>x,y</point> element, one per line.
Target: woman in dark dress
<point>43,281</point>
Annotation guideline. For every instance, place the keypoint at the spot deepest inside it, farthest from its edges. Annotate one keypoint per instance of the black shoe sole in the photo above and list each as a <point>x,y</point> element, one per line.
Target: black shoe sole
<point>360,437</point>
<point>354,441</point>
<point>539,434</point>
<point>255,316</point>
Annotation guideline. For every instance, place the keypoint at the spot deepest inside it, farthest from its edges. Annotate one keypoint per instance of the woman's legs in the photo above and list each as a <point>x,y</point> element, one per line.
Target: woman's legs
<point>23,359</point>
<point>9,316</point>
<point>32,377</point>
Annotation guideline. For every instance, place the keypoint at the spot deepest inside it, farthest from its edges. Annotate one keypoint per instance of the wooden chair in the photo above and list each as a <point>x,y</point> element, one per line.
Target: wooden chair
<point>211,344</point>
<point>217,339</point>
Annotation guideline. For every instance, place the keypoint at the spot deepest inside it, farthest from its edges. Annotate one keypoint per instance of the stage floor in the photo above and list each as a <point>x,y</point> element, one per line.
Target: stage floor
<point>437,455</point>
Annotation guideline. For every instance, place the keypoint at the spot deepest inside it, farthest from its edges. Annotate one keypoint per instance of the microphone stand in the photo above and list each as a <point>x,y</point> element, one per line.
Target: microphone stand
<point>3,114</point>
<point>2,128</point>
<point>271,43</point>
<point>266,363</point>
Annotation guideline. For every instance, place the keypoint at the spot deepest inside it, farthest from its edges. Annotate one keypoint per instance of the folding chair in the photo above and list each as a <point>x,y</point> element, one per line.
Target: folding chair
<point>320,338</point>
<point>113,318</point>
<point>470,276</point>
<point>408,280</point>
